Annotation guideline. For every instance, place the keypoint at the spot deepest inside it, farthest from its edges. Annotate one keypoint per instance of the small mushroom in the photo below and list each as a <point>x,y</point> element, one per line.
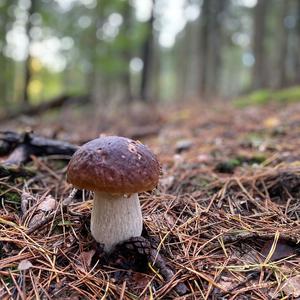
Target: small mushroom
<point>116,169</point>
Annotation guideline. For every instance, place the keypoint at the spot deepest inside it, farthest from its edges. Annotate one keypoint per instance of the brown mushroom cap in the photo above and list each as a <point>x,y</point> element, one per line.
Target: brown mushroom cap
<point>113,164</point>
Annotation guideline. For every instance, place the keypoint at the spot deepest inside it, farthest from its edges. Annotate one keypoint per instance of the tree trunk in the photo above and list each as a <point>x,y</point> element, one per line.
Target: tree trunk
<point>211,46</point>
<point>7,78</point>
<point>126,54</point>
<point>214,55</point>
<point>28,74</point>
<point>297,79</point>
<point>283,46</point>
<point>147,57</point>
<point>155,82</point>
<point>259,76</point>
<point>94,84</point>
<point>183,55</point>
<point>204,30</point>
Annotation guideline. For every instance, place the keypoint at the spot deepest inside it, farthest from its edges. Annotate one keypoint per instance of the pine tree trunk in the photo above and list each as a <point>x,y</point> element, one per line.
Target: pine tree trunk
<point>297,79</point>
<point>259,76</point>
<point>147,56</point>
<point>211,46</point>
<point>27,72</point>
<point>126,55</point>
<point>283,46</point>
<point>204,31</point>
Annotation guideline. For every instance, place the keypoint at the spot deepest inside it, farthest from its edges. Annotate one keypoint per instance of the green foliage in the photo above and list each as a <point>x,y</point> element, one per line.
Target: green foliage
<point>10,197</point>
<point>231,164</point>
<point>227,166</point>
<point>254,98</point>
<point>287,95</point>
<point>261,97</point>
<point>255,159</point>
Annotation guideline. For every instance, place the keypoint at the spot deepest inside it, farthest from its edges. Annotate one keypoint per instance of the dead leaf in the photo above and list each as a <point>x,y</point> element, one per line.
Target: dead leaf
<point>24,265</point>
<point>85,258</point>
<point>26,198</point>
<point>291,286</point>
<point>48,204</point>
<point>167,182</point>
<point>140,280</point>
<point>282,250</point>
<point>228,282</point>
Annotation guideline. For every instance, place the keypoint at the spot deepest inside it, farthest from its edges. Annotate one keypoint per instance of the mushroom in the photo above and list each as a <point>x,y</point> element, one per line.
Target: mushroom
<point>116,169</point>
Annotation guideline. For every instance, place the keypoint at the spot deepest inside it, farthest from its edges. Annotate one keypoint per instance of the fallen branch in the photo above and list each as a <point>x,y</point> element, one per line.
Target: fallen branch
<point>22,146</point>
<point>44,106</point>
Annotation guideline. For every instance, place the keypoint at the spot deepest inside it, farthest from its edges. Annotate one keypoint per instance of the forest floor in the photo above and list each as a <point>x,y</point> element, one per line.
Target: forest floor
<point>224,218</point>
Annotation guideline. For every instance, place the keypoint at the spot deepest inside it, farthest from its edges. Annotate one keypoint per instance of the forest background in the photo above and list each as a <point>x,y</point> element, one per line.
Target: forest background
<point>120,51</point>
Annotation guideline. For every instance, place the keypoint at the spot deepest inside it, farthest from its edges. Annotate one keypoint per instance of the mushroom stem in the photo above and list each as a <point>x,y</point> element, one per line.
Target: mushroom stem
<point>115,218</point>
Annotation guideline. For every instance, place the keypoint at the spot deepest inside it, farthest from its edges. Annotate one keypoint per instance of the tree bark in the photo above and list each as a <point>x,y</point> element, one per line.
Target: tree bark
<point>259,76</point>
<point>204,30</point>
<point>211,46</point>
<point>7,77</point>
<point>27,76</point>
<point>147,56</point>
<point>283,46</point>
<point>297,79</point>
<point>214,55</point>
<point>126,53</point>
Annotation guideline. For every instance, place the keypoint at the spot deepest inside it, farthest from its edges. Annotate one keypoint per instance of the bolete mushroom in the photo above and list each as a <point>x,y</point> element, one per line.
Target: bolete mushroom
<point>116,169</point>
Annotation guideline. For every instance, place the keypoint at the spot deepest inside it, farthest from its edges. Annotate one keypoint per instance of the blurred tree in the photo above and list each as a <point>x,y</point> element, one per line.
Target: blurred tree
<point>96,47</point>
<point>297,51</point>
<point>283,45</point>
<point>204,31</point>
<point>4,76</point>
<point>292,22</point>
<point>259,75</point>
<point>211,20</point>
<point>126,48</point>
<point>147,57</point>
<point>33,6</point>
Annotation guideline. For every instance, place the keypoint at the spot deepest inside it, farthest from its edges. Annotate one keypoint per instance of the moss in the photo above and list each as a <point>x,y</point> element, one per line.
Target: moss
<point>287,95</point>
<point>230,165</point>
<point>10,197</point>
<point>251,160</point>
<point>8,281</point>
<point>200,182</point>
<point>265,96</point>
<point>255,98</point>
<point>227,166</point>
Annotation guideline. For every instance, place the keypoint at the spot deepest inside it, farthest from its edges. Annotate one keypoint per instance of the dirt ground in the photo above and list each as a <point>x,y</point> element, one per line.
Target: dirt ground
<point>223,222</point>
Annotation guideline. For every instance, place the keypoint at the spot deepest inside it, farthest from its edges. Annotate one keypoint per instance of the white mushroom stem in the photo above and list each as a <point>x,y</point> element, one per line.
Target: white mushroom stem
<point>115,218</point>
